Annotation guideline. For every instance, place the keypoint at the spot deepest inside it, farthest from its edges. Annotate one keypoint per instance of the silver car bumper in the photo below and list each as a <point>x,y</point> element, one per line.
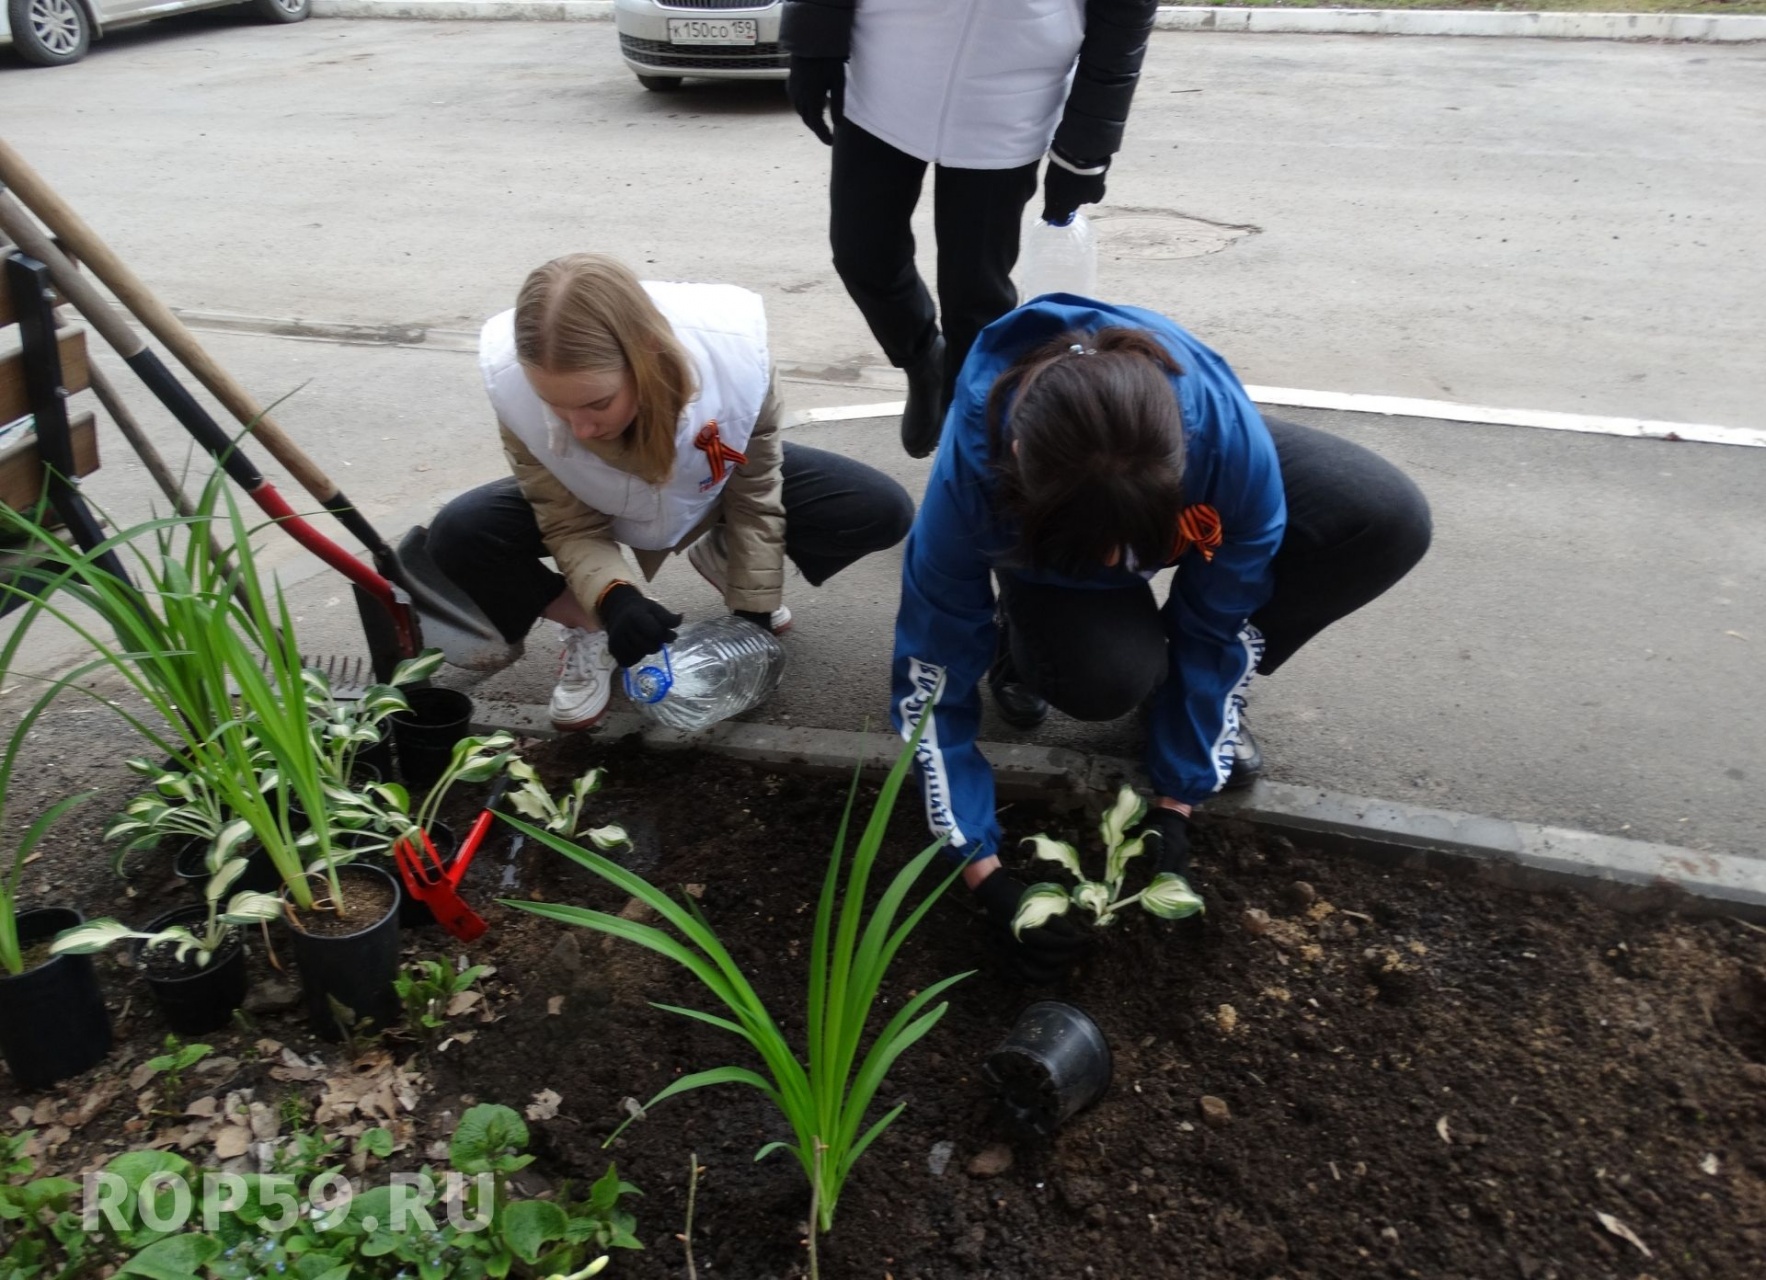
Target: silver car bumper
<point>643,27</point>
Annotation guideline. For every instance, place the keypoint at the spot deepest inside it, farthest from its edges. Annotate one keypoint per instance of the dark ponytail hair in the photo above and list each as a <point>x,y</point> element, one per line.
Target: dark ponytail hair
<point>1099,458</point>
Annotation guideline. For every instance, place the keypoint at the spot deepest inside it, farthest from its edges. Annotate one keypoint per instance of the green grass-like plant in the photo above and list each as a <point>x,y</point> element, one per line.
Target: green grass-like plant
<point>824,1096</point>
<point>209,645</point>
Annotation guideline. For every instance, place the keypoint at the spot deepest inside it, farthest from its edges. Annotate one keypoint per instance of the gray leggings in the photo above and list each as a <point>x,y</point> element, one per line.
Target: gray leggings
<point>1356,525</point>
<point>836,511</point>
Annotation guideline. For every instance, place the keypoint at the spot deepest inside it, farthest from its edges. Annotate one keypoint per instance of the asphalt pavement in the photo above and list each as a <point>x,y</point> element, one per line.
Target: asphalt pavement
<point>1540,225</point>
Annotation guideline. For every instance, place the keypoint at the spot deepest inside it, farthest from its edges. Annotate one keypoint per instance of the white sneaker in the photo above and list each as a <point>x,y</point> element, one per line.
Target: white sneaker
<point>585,680</point>
<point>711,556</point>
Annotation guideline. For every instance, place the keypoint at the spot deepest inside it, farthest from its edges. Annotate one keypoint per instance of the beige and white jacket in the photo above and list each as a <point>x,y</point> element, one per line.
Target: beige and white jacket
<point>588,501</point>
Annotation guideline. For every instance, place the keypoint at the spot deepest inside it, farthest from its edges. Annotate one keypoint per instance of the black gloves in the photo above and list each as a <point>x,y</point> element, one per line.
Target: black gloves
<point>636,624</point>
<point>1041,956</point>
<point>1063,190</point>
<point>1168,840</point>
<point>817,85</point>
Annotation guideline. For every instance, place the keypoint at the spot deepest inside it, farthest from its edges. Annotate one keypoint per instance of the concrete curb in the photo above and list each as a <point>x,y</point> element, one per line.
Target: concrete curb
<point>1374,22</point>
<point>1626,874</point>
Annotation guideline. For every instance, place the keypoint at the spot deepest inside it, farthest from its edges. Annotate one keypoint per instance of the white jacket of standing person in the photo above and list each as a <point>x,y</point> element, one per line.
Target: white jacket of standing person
<point>969,84</point>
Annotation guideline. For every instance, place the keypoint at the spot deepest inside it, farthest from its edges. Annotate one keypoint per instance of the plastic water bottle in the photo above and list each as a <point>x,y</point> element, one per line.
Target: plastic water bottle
<point>713,670</point>
<point>1058,258</point>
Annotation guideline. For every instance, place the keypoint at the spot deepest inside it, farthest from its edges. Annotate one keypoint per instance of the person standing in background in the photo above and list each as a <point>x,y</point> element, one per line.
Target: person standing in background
<point>981,89</point>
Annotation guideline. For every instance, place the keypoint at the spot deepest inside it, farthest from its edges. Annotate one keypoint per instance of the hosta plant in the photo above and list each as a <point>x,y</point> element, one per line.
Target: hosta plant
<point>531,799</point>
<point>217,926</point>
<point>384,809</point>
<point>344,727</point>
<point>179,804</point>
<point>1168,895</point>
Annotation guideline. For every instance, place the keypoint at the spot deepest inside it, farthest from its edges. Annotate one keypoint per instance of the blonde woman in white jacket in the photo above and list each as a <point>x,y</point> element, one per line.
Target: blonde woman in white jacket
<point>980,89</point>
<point>644,416</point>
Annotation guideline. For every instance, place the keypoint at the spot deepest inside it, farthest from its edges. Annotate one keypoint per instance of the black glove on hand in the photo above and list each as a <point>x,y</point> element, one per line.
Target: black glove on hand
<point>1043,955</point>
<point>1168,836</point>
<point>636,624</point>
<point>762,620</point>
<point>815,86</point>
<point>1063,191</point>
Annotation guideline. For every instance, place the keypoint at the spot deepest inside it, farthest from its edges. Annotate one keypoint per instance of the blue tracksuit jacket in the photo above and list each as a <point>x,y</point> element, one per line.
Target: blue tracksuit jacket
<point>945,630</point>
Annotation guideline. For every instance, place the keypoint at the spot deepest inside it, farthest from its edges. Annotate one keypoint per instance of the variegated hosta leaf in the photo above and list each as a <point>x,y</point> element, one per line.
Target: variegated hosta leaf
<point>381,701</point>
<point>532,802</point>
<point>608,837</point>
<point>143,766</point>
<point>223,878</point>
<point>1127,810</point>
<point>317,688</point>
<point>249,908</point>
<point>424,665</point>
<point>181,940</point>
<point>126,827</point>
<point>85,939</point>
<point>269,780</point>
<point>390,793</point>
<point>1040,904</point>
<point>1170,897</point>
<point>1116,867</point>
<point>521,771</point>
<point>588,784</point>
<point>1051,850</point>
<point>1093,897</point>
<point>231,836</point>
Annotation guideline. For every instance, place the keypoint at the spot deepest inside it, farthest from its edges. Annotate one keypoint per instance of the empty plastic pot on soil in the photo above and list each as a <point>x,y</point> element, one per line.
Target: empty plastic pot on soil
<point>348,962</point>
<point>425,735</point>
<point>1053,1065</point>
<point>52,1018</point>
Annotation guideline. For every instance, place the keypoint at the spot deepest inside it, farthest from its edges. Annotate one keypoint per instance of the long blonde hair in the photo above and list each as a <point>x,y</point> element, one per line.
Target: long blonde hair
<point>587,313</point>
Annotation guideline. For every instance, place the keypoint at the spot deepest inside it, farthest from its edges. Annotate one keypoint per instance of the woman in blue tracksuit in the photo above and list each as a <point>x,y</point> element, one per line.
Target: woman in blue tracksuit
<point>1087,447</point>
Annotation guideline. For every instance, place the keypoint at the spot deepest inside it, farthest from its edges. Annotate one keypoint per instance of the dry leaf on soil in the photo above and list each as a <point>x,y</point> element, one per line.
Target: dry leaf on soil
<point>1624,1232</point>
<point>544,1105</point>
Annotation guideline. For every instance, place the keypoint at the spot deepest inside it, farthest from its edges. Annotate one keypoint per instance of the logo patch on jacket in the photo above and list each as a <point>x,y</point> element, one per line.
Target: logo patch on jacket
<point>719,457</point>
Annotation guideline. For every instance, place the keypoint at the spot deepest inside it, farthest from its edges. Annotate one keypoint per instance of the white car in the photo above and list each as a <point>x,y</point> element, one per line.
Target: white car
<point>666,40</point>
<point>51,33</point>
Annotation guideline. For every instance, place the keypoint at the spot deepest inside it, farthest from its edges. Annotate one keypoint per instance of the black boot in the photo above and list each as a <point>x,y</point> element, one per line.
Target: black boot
<point>1247,759</point>
<point>1020,706</point>
<point>923,418</point>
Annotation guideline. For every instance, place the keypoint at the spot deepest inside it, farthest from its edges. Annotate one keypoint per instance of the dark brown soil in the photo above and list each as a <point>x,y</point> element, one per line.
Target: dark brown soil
<point>1417,1076</point>
<point>366,900</point>
<point>162,962</point>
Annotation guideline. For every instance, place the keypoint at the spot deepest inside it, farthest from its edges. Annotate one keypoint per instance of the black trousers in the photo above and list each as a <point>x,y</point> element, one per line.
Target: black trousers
<point>975,219</point>
<point>1356,525</point>
<point>836,511</point>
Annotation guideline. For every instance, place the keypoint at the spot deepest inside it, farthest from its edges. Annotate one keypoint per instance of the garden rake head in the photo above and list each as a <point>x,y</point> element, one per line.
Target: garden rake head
<point>437,886</point>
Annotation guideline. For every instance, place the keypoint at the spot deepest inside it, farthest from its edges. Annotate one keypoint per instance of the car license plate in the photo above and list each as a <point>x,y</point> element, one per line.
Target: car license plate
<point>724,31</point>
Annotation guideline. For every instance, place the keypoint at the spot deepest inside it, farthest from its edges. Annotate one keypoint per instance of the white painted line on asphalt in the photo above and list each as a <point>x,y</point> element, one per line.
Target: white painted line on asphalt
<point>1542,419</point>
<point>412,336</point>
<point>1401,407</point>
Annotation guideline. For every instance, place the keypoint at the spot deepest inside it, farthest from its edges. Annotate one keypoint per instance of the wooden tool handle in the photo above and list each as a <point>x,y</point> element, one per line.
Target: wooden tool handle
<point>85,244</point>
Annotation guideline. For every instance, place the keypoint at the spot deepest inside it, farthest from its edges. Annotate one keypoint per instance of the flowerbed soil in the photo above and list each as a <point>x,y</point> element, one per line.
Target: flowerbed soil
<point>1420,1075</point>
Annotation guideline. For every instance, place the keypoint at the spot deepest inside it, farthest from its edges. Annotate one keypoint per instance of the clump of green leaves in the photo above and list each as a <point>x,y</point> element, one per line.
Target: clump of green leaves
<point>1168,895</point>
<point>169,1067</point>
<point>428,987</point>
<point>531,799</point>
<point>36,1214</point>
<point>219,924</point>
<point>825,1095</point>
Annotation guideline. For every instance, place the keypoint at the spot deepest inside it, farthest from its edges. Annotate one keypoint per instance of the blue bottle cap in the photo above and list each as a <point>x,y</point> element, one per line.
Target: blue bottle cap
<point>647,684</point>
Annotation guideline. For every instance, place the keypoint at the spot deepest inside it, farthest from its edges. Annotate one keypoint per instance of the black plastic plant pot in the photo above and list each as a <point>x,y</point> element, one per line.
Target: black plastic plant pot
<point>1053,1065</point>
<point>260,875</point>
<point>425,735</point>
<point>194,999</point>
<point>52,1018</point>
<point>353,964</point>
